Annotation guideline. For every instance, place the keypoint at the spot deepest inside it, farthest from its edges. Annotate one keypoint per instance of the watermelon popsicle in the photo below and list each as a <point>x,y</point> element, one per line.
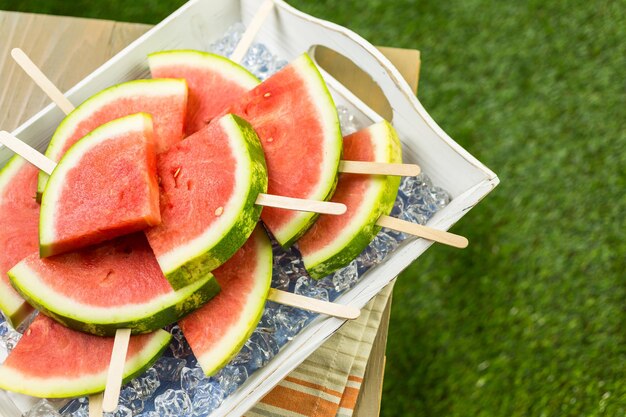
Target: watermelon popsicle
<point>104,186</point>
<point>117,284</point>
<point>333,242</point>
<point>217,331</point>
<point>53,361</point>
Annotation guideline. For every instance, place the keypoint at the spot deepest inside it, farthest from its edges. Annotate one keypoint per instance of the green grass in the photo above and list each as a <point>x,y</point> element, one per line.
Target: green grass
<point>530,319</point>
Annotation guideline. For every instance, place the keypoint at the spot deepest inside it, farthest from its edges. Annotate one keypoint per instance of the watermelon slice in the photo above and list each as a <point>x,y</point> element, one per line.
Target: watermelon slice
<point>209,184</point>
<point>52,361</point>
<point>334,241</point>
<point>164,99</point>
<point>296,120</point>
<point>214,82</point>
<point>117,284</point>
<point>19,219</point>
<point>218,330</point>
<point>104,186</point>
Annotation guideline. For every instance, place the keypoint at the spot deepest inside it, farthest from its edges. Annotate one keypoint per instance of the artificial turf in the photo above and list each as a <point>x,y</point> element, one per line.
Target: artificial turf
<point>530,319</point>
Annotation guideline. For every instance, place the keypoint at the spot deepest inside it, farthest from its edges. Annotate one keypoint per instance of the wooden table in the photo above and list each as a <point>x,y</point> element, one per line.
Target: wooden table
<point>67,49</point>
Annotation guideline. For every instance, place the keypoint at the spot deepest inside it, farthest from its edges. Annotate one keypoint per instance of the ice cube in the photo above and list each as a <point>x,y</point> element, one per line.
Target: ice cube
<point>173,403</point>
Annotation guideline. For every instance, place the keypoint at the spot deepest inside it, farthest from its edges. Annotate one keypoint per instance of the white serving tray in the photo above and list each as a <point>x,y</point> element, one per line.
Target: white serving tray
<point>287,33</point>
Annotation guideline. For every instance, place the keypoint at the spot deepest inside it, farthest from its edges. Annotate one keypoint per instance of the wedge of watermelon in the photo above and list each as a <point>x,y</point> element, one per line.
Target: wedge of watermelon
<point>164,99</point>
<point>334,241</point>
<point>296,120</point>
<point>214,82</point>
<point>52,361</point>
<point>19,219</point>
<point>114,285</point>
<point>105,186</point>
<point>209,185</point>
<point>218,330</point>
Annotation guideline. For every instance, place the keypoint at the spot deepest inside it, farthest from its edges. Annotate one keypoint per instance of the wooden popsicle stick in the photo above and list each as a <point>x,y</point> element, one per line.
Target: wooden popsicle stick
<point>425,232</point>
<point>379,168</point>
<point>306,303</point>
<point>95,405</point>
<point>290,203</point>
<point>41,80</point>
<point>25,151</point>
<point>116,370</point>
<point>253,27</point>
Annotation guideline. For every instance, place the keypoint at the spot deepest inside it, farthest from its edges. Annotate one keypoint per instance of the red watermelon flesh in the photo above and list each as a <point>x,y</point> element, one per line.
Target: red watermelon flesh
<point>19,220</point>
<point>54,361</point>
<point>105,186</point>
<point>214,82</point>
<point>178,171</point>
<point>117,284</point>
<point>296,120</point>
<point>218,330</point>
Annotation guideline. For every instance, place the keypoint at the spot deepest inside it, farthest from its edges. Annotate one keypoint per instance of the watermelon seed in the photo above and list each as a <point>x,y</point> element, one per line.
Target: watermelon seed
<point>109,275</point>
<point>219,211</point>
<point>270,139</point>
<point>267,95</point>
<point>177,172</point>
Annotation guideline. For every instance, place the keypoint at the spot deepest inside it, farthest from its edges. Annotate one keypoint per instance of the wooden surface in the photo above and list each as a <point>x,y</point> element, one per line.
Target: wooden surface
<point>67,49</point>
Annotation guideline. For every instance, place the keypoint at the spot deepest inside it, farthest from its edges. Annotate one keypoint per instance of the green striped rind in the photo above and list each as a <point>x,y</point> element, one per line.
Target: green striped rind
<point>344,249</point>
<point>229,346</point>
<point>104,321</point>
<point>246,220</point>
<point>289,234</point>
<point>12,379</point>
<point>48,243</point>
<point>195,58</point>
<point>88,107</point>
<point>14,308</point>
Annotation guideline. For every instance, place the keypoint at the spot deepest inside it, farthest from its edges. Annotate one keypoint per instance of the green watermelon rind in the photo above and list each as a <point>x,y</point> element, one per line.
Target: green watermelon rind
<point>191,266</point>
<point>195,58</point>
<point>288,234</point>
<point>217,358</point>
<point>48,245</point>
<point>14,308</point>
<point>11,380</point>
<point>93,103</point>
<point>381,201</point>
<point>104,321</point>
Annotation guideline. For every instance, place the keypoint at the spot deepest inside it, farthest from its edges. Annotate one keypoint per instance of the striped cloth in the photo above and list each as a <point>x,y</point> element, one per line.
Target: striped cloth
<point>327,383</point>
